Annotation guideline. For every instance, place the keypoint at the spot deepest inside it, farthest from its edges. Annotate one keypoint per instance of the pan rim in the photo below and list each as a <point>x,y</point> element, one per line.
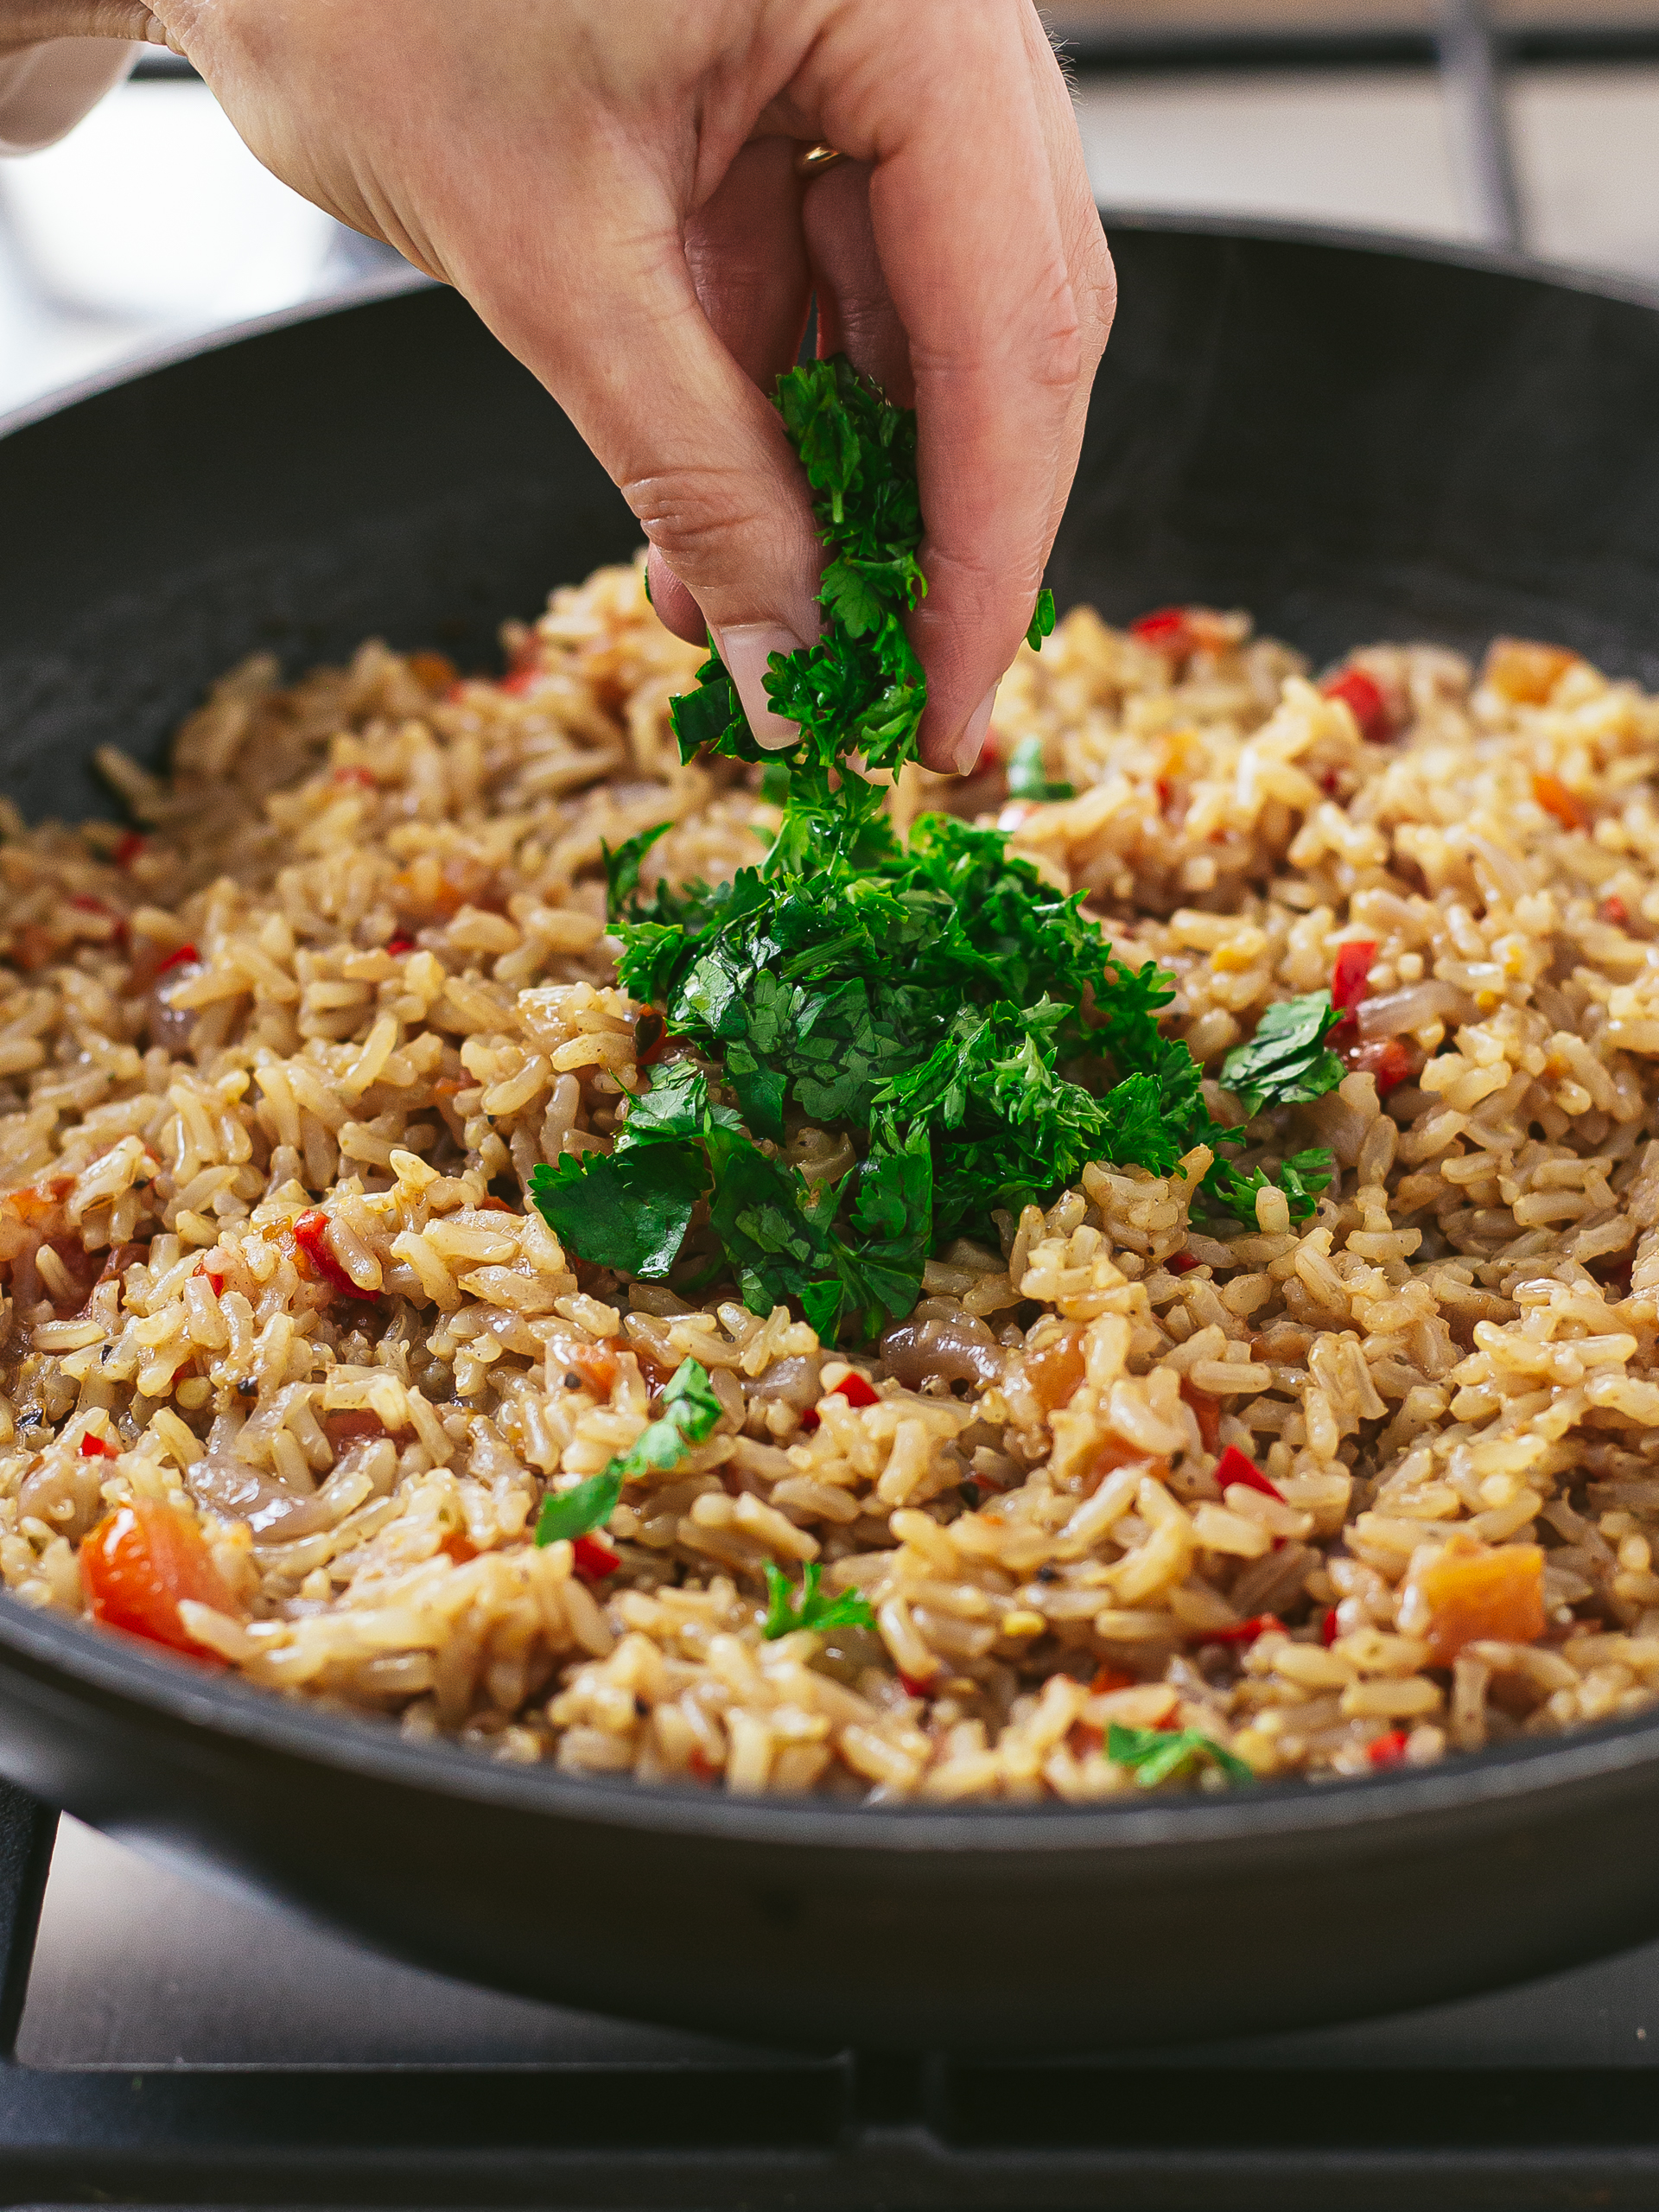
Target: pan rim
<point>58,1651</point>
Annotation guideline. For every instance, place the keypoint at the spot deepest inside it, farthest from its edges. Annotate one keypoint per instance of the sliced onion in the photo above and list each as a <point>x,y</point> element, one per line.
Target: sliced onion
<point>960,1349</point>
<point>1397,1012</point>
<point>169,1025</point>
<point>795,1381</point>
<point>238,1492</point>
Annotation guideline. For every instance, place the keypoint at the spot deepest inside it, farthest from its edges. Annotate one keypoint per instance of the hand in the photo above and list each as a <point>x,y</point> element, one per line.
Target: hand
<point>611,184</point>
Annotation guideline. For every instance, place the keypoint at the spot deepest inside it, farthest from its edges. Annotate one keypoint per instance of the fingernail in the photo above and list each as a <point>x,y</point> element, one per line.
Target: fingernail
<point>745,648</point>
<point>972,740</point>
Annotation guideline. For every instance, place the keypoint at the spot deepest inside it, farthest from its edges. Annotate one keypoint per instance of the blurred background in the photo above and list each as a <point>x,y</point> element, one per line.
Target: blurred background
<point>1526,122</point>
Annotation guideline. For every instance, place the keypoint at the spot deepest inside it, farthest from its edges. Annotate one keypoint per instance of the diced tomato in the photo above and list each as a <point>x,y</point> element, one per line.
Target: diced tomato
<point>363,777</point>
<point>355,1426</point>
<point>519,681</point>
<point>1182,1263</point>
<point>94,1447</point>
<point>213,1277</point>
<point>1234,1467</point>
<point>1167,630</point>
<point>856,1389</point>
<point>127,849</point>
<point>811,1419</point>
<point>1475,1590</point>
<point>1523,672</point>
<point>594,1558</point>
<point>1390,1059</point>
<point>1390,1750</point>
<point>398,945</point>
<point>180,958</point>
<point>136,1564</point>
<point>1362,696</point>
<point>433,672</point>
<point>1245,1632</point>
<point>311,1233</point>
<point>1083,1738</point>
<point>1614,910</point>
<point>1554,798</point>
<point>915,1686</point>
<point>1054,1368</point>
<point>650,1036</point>
<point>1113,1452</point>
<point>1328,1628</point>
<point>596,1364</point>
<point>1348,977</point>
<point>460,1547</point>
<point>1207,1411</point>
<point>1108,1679</point>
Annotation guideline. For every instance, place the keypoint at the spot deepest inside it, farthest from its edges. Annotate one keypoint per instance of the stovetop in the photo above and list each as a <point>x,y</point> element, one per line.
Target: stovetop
<point>178,2043</point>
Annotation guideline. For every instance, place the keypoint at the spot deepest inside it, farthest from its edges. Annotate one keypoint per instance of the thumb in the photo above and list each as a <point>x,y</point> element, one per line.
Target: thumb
<point>700,457</point>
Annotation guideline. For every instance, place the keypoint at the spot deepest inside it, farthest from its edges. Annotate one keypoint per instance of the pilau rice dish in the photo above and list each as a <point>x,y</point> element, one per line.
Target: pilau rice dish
<point>276,1066</point>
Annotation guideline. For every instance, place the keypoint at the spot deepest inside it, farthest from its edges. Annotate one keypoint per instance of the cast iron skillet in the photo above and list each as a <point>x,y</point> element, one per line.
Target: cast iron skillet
<point>1355,442</point>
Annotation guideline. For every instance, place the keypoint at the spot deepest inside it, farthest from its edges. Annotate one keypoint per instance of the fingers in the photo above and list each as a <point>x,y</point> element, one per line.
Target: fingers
<point>748,267</point>
<point>624,346</point>
<point>26,22</point>
<point>978,257</point>
<point>857,316</point>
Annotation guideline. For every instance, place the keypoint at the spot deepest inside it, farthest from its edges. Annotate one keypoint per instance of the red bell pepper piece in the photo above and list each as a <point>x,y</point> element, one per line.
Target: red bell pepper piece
<point>94,1447</point>
<point>185,954</point>
<point>1362,696</point>
<point>1246,1632</point>
<point>1387,1058</point>
<point>310,1232</point>
<point>1234,1467</point>
<point>856,1389</point>
<point>1180,1263</point>
<point>1390,1750</point>
<point>594,1559</point>
<point>1353,965</point>
<point>1328,1628</point>
<point>1165,629</point>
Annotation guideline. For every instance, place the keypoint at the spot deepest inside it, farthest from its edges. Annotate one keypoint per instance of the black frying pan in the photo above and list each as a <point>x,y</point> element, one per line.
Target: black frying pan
<point>1358,444</point>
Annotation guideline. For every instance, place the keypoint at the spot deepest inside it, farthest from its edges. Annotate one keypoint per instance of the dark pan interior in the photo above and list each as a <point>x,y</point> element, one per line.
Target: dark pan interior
<point>1354,444</point>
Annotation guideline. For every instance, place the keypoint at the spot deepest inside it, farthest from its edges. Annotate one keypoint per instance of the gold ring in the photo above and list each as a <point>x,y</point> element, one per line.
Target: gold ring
<point>813,161</point>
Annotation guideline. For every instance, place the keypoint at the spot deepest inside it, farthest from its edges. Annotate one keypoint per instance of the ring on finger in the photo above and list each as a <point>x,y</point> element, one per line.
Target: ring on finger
<point>813,161</point>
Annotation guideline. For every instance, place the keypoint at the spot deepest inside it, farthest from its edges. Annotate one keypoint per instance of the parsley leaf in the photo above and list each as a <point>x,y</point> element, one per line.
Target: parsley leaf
<point>1042,620</point>
<point>1028,778</point>
<point>572,1513</point>
<point>1301,1178</point>
<point>690,1409</point>
<point>1286,1062</point>
<point>1157,1754</point>
<point>791,1609</point>
<point>622,868</point>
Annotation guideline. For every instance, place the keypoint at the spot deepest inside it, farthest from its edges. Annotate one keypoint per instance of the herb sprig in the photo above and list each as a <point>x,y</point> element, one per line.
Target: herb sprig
<point>1158,1754</point>
<point>972,1034</point>
<point>690,1409</point>
<point>792,1608</point>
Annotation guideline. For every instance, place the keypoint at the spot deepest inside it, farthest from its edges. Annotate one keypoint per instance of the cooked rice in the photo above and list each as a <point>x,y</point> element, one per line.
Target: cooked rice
<point>401,1000</point>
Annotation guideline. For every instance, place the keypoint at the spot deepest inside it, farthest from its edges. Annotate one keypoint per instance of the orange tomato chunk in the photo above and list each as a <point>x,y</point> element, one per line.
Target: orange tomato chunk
<point>136,1564</point>
<point>1554,798</point>
<point>1207,1411</point>
<point>1473,1591</point>
<point>1054,1369</point>
<point>1525,671</point>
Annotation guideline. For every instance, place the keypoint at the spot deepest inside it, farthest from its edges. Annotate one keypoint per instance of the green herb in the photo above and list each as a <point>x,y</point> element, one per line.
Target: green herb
<point>1042,620</point>
<point>1300,1177</point>
<point>572,1513</point>
<point>791,1609</point>
<point>972,1034</point>
<point>1286,1062</point>
<point>690,1409</point>
<point>1158,1754</point>
<point>1028,778</point>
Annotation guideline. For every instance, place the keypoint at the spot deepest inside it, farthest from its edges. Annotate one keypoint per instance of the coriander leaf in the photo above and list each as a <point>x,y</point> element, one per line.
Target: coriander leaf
<point>572,1513</point>
<point>1042,620</point>
<point>691,1411</point>
<point>1028,778</point>
<point>1286,1063</point>
<point>1160,1754</point>
<point>821,1304</point>
<point>790,1609</point>
<point>628,1209</point>
<point>622,868</point>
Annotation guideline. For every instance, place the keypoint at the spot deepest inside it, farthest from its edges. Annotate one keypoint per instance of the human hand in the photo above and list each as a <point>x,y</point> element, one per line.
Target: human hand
<point>613,188</point>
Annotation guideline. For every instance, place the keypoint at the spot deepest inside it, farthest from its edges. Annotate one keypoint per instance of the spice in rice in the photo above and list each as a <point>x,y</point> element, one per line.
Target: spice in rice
<point>279,1064</point>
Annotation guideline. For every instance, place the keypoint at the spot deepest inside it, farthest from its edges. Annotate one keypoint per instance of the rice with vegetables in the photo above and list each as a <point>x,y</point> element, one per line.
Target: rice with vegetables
<point>294,1374</point>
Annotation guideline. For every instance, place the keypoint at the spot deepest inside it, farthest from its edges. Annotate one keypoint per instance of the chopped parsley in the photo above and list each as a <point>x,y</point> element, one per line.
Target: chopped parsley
<point>1288,1061</point>
<point>1158,1754</point>
<point>1028,778</point>
<point>690,1408</point>
<point>791,1609</point>
<point>936,1001</point>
